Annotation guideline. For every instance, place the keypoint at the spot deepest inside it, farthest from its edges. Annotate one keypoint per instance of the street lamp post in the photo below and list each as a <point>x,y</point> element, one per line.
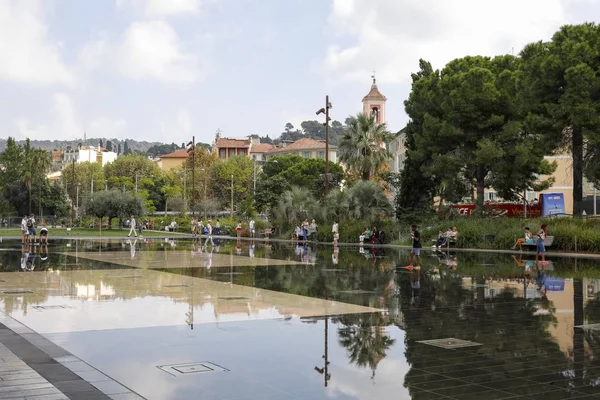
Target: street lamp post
<point>192,154</point>
<point>231,214</point>
<point>204,196</point>
<point>325,110</point>
<point>254,190</point>
<point>78,200</point>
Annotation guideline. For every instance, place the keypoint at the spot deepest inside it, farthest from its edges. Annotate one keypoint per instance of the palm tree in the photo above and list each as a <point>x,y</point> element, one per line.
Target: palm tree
<point>362,145</point>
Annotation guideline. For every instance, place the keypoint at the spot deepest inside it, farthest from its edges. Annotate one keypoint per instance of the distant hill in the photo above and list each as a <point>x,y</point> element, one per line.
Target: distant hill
<point>134,146</point>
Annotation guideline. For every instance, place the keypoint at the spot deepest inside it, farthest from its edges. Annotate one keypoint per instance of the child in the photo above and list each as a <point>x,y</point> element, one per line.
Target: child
<point>239,229</point>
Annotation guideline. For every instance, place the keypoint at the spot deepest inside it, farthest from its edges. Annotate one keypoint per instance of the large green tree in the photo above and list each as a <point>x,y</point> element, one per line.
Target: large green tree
<point>561,87</point>
<point>362,146</point>
<point>470,126</point>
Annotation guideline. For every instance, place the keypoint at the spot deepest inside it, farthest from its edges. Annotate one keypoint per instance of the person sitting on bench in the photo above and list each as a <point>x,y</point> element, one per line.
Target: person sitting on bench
<point>527,238</point>
<point>366,235</point>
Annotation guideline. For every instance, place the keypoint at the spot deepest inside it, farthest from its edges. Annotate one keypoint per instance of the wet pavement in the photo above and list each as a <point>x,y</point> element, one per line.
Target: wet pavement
<point>165,319</point>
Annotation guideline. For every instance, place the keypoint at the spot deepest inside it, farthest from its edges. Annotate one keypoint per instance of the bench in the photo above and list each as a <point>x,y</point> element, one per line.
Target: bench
<point>266,233</point>
<point>547,242</point>
<point>450,241</point>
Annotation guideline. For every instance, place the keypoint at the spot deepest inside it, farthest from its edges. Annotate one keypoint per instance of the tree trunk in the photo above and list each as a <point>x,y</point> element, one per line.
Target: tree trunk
<point>366,175</point>
<point>577,171</point>
<point>480,185</point>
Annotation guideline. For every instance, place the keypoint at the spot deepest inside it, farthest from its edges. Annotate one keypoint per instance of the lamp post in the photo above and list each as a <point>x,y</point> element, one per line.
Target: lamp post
<point>254,189</point>
<point>325,110</point>
<point>192,155</point>
<point>204,196</point>
<point>231,214</point>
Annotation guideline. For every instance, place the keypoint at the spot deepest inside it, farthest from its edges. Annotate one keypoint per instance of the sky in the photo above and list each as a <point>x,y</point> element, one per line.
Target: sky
<point>164,70</point>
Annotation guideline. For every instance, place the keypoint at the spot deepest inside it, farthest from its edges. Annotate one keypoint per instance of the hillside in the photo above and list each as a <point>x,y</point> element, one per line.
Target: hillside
<point>134,145</point>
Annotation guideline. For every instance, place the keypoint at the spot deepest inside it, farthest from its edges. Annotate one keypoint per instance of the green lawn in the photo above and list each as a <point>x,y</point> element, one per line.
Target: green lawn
<point>16,232</point>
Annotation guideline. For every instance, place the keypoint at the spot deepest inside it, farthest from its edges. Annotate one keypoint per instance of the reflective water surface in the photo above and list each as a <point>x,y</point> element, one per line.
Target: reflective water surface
<point>309,322</point>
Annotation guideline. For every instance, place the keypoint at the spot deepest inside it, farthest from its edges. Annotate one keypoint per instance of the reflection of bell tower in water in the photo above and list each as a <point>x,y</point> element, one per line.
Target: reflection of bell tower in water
<point>374,102</point>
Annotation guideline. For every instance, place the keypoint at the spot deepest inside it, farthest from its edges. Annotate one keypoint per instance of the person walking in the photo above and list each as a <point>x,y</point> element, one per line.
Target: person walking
<point>335,229</point>
<point>416,246</point>
<point>251,228</point>
<point>217,228</point>
<point>209,233</point>
<point>194,226</point>
<point>132,228</point>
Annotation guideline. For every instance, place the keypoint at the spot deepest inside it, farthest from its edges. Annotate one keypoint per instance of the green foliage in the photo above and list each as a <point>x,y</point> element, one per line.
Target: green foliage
<point>161,149</point>
<point>360,146</point>
<point>114,204</point>
<point>238,170</point>
<point>473,230</point>
<point>469,128</point>
<point>561,90</point>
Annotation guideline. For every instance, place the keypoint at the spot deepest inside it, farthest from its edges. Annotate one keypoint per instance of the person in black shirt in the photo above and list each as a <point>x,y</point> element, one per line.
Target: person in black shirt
<point>416,246</point>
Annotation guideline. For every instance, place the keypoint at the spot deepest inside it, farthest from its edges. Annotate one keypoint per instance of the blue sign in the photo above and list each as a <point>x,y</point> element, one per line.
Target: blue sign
<point>553,284</point>
<point>553,204</point>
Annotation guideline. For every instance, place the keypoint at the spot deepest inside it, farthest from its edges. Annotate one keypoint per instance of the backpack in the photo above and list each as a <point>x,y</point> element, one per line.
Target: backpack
<point>29,223</point>
<point>206,230</point>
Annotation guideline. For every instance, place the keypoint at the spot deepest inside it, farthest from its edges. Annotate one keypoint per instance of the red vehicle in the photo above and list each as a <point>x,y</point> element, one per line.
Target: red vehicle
<point>549,204</point>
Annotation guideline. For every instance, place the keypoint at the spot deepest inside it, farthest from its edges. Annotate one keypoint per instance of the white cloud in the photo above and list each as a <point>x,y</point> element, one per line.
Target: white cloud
<point>146,50</point>
<point>161,7</point>
<point>108,128</point>
<point>27,53</point>
<point>65,124</point>
<point>391,35</point>
<point>184,122</point>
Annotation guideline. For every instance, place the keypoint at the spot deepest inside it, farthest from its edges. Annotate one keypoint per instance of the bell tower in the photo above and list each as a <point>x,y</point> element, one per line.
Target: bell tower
<point>374,102</point>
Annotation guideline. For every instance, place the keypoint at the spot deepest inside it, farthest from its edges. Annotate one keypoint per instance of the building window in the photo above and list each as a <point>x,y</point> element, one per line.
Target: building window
<point>231,153</point>
<point>320,154</point>
<point>490,196</point>
<point>530,196</point>
<point>306,154</point>
<point>222,153</point>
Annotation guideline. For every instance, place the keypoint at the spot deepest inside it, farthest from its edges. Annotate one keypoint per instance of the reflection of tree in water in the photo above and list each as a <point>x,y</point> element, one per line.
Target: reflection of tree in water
<point>365,338</point>
<point>506,327</point>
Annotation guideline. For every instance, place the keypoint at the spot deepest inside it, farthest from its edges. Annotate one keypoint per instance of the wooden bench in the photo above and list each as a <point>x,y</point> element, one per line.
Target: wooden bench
<point>547,242</point>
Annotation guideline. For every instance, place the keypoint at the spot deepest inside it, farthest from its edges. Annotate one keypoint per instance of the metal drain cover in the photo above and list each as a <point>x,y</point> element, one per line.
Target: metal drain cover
<point>50,307</point>
<point>2,281</point>
<point>174,286</point>
<point>17,291</point>
<point>230,273</point>
<point>235,298</point>
<point>449,343</point>
<point>192,368</point>
<point>332,270</point>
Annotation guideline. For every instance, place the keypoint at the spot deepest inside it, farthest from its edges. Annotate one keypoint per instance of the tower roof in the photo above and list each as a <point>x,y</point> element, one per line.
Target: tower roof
<point>374,93</point>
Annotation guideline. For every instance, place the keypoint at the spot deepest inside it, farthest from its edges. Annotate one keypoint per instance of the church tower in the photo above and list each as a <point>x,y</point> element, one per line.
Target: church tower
<point>374,102</point>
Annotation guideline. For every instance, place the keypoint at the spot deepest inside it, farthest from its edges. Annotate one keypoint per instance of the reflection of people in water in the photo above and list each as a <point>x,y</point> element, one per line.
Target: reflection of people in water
<point>415,284</point>
<point>132,247</point>
<point>208,260</point>
<point>28,256</point>
<point>335,256</point>
<point>540,280</point>
<point>238,250</point>
<point>44,252</point>
<point>251,251</point>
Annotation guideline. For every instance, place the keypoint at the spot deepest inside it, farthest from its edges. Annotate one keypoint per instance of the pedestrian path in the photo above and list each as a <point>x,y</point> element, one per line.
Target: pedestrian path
<point>19,381</point>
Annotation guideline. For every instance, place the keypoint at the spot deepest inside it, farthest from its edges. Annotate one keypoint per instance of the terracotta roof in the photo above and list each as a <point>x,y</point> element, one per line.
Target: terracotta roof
<point>261,147</point>
<point>178,154</point>
<point>224,143</point>
<point>302,144</point>
<point>374,94</point>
